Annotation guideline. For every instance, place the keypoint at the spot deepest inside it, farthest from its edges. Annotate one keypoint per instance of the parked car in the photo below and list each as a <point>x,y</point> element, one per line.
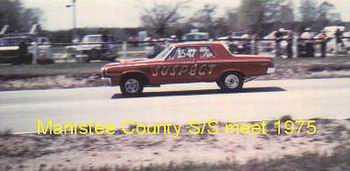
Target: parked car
<point>347,41</point>
<point>239,42</point>
<point>234,35</point>
<point>331,45</point>
<point>94,47</point>
<point>155,46</point>
<point>13,47</point>
<point>186,63</point>
<point>196,36</point>
<point>269,44</point>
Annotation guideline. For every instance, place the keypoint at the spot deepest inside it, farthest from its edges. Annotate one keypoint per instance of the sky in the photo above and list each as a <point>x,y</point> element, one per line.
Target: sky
<point>126,13</point>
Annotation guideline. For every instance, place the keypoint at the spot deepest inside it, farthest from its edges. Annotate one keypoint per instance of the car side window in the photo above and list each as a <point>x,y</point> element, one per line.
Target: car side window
<point>205,53</point>
<point>183,53</point>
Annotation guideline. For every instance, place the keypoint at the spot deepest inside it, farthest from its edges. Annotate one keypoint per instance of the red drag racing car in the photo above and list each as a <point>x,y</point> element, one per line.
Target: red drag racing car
<point>186,63</point>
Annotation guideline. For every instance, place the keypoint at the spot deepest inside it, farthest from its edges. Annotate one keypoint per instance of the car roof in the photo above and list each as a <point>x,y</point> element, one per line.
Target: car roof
<point>334,28</point>
<point>198,43</point>
<point>93,35</point>
<point>197,33</point>
<point>15,37</point>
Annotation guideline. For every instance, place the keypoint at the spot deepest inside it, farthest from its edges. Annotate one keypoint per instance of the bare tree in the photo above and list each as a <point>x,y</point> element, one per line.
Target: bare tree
<point>160,17</point>
<point>233,19</point>
<point>204,18</point>
<point>326,15</point>
<point>285,13</point>
<point>327,11</point>
<point>308,10</point>
<point>255,13</point>
<point>13,13</point>
<point>29,17</point>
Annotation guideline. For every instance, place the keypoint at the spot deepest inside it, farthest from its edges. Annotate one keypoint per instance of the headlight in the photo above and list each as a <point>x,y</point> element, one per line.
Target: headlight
<point>271,70</point>
<point>103,71</point>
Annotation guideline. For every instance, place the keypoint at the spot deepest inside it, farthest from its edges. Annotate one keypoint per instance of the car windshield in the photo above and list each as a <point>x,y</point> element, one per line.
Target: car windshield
<point>238,34</point>
<point>164,53</point>
<point>196,36</point>
<point>227,47</point>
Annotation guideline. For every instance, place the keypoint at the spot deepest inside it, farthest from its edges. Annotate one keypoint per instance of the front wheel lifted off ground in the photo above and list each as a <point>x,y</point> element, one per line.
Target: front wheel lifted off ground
<point>231,82</point>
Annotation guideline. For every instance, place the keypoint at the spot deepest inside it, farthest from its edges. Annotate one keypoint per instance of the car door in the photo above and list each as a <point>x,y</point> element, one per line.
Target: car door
<point>206,64</point>
<point>177,66</point>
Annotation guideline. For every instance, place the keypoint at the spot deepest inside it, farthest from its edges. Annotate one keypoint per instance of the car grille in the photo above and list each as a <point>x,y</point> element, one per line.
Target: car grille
<point>8,53</point>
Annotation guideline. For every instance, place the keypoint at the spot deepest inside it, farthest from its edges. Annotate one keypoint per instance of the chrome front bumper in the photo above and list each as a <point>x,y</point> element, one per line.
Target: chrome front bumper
<point>107,81</point>
<point>271,70</point>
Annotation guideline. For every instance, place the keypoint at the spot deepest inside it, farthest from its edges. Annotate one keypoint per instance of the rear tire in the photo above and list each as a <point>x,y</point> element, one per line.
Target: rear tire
<point>230,82</point>
<point>131,86</point>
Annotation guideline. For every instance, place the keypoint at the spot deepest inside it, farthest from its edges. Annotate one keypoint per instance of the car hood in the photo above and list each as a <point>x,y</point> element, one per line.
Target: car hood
<point>7,48</point>
<point>84,47</point>
<point>137,61</point>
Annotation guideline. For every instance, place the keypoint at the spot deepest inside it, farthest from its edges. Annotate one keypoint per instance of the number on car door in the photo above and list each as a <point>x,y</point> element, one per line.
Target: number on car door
<point>177,66</point>
<point>206,64</point>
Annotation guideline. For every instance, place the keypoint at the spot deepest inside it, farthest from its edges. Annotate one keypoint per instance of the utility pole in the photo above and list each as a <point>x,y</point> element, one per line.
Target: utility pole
<point>74,13</point>
<point>74,19</point>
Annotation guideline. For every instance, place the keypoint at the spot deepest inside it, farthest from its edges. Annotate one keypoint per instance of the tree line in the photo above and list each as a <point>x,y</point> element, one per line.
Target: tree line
<point>163,20</point>
<point>253,16</point>
<point>19,18</point>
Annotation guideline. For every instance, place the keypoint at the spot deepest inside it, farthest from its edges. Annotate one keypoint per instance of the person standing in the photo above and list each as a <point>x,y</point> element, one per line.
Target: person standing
<point>308,43</point>
<point>290,44</point>
<point>323,42</point>
<point>278,39</point>
<point>338,38</point>
<point>255,44</point>
<point>339,35</point>
<point>104,43</point>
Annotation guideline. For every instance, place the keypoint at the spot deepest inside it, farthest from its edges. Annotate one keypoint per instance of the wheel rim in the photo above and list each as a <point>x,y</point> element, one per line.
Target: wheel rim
<point>232,81</point>
<point>132,85</point>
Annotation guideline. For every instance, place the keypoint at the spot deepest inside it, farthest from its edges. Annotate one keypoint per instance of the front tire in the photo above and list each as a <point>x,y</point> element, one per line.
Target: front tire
<point>131,86</point>
<point>231,82</point>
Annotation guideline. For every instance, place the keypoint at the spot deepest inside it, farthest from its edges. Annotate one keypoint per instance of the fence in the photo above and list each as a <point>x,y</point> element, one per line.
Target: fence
<point>70,52</point>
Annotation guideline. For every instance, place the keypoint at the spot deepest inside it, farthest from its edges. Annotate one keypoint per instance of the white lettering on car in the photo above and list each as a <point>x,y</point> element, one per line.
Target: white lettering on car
<point>155,72</point>
<point>193,70</point>
<point>202,71</point>
<point>185,53</point>
<point>164,71</point>
<point>173,70</point>
<point>183,70</point>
